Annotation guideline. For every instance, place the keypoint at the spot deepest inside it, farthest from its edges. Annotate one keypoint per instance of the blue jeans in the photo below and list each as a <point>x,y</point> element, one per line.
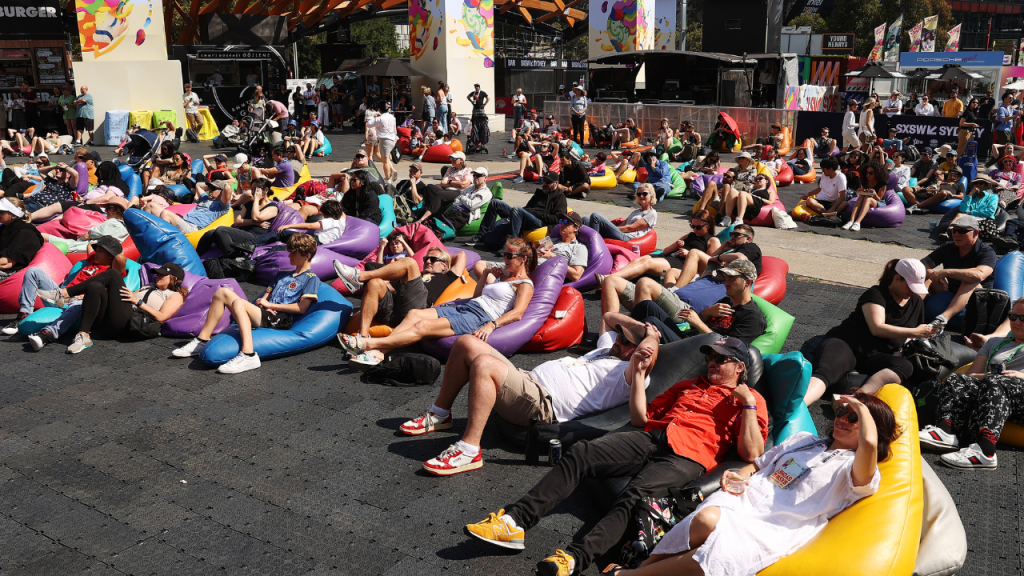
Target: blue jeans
<point>797,169</point>
<point>518,218</point>
<point>35,279</point>
<point>67,320</point>
<point>603,226</point>
<point>442,117</point>
<point>660,188</point>
<point>897,144</point>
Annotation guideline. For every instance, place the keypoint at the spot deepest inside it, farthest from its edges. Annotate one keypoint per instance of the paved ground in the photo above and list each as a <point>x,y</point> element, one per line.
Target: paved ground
<point>122,460</point>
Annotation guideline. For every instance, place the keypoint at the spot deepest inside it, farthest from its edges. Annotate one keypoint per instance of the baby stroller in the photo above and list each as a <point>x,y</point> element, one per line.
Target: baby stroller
<point>258,132</point>
<point>142,145</point>
<point>479,135</point>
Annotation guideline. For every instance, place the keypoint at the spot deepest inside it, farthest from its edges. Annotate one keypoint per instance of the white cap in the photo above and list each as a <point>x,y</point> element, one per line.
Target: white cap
<point>460,155</point>
<point>153,183</point>
<point>561,86</point>
<point>7,206</point>
<point>481,170</point>
<point>913,271</point>
<point>240,159</point>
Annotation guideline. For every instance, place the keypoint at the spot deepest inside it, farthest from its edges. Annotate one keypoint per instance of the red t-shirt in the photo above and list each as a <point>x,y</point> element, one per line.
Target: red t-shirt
<point>702,420</point>
<point>87,271</point>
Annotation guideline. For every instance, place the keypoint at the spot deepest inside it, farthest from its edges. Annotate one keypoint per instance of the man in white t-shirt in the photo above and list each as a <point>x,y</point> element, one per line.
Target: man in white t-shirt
<point>894,105</point>
<point>556,391</point>
<point>387,136</point>
<point>851,126</point>
<point>310,96</point>
<point>831,188</point>
<point>925,108</point>
<point>191,102</point>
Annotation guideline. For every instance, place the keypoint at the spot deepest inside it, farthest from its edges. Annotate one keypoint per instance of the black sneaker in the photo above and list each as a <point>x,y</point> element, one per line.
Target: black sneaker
<point>246,248</point>
<point>12,327</point>
<point>40,339</point>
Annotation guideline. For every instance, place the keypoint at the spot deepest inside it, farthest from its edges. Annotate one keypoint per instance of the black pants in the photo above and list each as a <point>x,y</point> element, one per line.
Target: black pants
<point>835,358</point>
<point>577,128</point>
<point>438,200</point>
<point>102,306</point>
<point>223,237</point>
<point>645,456</point>
<point>648,311</point>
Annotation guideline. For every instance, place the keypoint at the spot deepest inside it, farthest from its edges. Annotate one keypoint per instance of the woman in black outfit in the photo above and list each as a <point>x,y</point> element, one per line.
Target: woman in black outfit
<point>968,122</point>
<point>674,255</point>
<point>109,305</point>
<point>254,219</point>
<point>886,316</point>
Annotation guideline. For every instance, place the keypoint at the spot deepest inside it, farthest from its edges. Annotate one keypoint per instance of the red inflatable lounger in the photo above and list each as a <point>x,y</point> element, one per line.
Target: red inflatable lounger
<point>51,260</point>
<point>771,283</point>
<point>561,333</point>
<point>785,177</point>
<point>438,153</point>
<point>648,243</point>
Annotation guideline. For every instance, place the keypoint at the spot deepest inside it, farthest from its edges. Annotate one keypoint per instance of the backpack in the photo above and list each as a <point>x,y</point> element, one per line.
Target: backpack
<point>404,369</point>
<point>911,153</point>
<point>140,324</point>
<point>689,152</point>
<point>192,136</point>
<point>652,519</point>
<point>985,311</point>
<point>403,211</point>
<point>825,221</point>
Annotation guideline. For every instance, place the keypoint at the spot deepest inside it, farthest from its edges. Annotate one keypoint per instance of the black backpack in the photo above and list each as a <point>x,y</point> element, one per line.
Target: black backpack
<point>911,153</point>
<point>689,152</point>
<point>404,369</point>
<point>652,519</point>
<point>192,136</point>
<point>985,311</point>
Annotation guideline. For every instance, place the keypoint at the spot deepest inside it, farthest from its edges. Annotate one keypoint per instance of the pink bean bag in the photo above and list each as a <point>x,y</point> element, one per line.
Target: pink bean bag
<point>51,260</point>
<point>620,256</point>
<point>73,223</point>
<point>438,153</point>
<point>648,243</point>
<point>785,177</point>
<point>181,209</point>
<point>771,283</point>
<point>764,217</point>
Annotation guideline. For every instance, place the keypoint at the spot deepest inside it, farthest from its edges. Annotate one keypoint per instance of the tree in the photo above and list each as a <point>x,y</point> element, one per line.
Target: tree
<point>694,36</point>
<point>860,17</point>
<point>815,21</point>
<point>378,37</point>
<point>309,56</point>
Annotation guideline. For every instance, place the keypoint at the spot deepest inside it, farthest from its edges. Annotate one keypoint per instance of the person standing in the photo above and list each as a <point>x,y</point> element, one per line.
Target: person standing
<point>66,102</point>
<point>84,118</point>
<point>851,126</point>
<point>387,136</point>
<point>442,105</point>
<point>953,107</point>
<point>191,103</point>
<point>578,114</point>
<point>309,100</point>
<point>968,122</point>
<point>31,102</point>
<point>479,99</point>
<point>299,103</point>
<point>518,110</point>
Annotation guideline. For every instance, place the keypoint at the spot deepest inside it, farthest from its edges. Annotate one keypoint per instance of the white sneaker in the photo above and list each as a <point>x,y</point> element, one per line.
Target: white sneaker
<point>427,421</point>
<point>726,222</point>
<point>453,461</point>
<point>937,439</point>
<point>193,348</point>
<point>855,227</point>
<point>848,225</point>
<point>970,458</point>
<point>349,276</point>
<point>240,363</point>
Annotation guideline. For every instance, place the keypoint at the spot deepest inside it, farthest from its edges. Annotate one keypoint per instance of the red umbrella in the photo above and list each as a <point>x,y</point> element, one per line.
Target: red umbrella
<point>730,123</point>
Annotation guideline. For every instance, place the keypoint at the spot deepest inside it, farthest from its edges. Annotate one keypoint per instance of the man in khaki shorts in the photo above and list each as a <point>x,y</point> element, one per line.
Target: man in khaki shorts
<point>556,391</point>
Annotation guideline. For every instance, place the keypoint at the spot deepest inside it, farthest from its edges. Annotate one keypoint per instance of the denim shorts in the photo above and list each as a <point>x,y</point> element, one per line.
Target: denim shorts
<point>465,318</point>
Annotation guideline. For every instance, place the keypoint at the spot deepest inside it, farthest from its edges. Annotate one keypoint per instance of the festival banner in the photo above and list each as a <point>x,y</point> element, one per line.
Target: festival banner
<point>953,45</point>
<point>915,37</point>
<point>876,51</point>
<point>928,35</point>
<point>1020,53</point>
<point>892,41</point>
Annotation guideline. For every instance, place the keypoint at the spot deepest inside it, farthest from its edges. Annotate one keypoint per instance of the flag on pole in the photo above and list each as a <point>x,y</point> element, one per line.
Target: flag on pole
<point>928,35</point>
<point>876,51</point>
<point>953,45</point>
<point>892,41</point>
<point>915,37</point>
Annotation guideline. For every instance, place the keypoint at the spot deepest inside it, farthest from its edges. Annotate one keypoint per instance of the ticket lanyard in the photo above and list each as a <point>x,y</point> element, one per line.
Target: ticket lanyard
<point>805,469</point>
<point>1013,354</point>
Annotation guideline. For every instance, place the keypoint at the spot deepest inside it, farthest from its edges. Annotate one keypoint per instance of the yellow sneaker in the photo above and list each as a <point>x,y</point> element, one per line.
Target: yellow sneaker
<point>561,563</point>
<point>496,531</point>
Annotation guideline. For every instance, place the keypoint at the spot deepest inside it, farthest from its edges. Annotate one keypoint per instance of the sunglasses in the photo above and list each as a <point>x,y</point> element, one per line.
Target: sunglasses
<point>959,230</point>
<point>360,155</point>
<point>719,359</point>
<point>849,414</point>
<point>565,222</point>
<point>428,260</point>
<point>642,194</point>
<point>698,224</point>
<point>1015,317</point>
<point>511,255</point>
<point>738,235</point>
<point>729,176</point>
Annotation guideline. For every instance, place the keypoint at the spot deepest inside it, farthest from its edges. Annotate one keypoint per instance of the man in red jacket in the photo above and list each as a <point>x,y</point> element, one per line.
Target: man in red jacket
<point>687,430</point>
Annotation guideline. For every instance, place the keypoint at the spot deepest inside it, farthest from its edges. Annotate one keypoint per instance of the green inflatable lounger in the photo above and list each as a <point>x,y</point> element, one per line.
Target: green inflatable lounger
<point>678,186</point>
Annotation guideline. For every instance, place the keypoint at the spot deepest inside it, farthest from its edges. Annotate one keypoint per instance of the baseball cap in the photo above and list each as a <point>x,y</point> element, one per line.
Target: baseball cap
<point>913,271</point>
<point>95,157</point>
<point>171,269</point>
<point>218,184</point>
<point>573,217</point>
<point>968,222</point>
<point>457,155</point>
<point>220,158</point>
<point>550,177</point>
<point>240,159</point>
<point>108,244</point>
<point>561,86</point>
<point>153,183</point>
<point>927,150</point>
<point>7,206</point>
<point>728,346</point>
<point>292,122</point>
<point>481,171</point>
<point>601,157</point>
<point>740,267</point>
<point>634,334</point>
<point>550,117</point>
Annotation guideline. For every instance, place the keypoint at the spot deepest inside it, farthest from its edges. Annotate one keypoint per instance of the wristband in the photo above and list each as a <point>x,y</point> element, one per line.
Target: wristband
<point>750,406</point>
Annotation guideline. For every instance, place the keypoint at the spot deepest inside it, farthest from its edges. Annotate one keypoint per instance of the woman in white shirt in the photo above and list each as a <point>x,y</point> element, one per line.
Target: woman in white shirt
<point>638,223</point>
<point>770,508</point>
<point>501,297</point>
<point>867,123</point>
<point>518,108</point>
<point>312,139</point>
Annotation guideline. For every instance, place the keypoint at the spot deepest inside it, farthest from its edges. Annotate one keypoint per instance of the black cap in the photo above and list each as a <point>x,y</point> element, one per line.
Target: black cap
<point>728,346</point>
<point>550,177</point>
<point>634,335</point>
<point>573,217</point>
<point>109,245</point>
<point>220,158</point>
<point>170,269</point>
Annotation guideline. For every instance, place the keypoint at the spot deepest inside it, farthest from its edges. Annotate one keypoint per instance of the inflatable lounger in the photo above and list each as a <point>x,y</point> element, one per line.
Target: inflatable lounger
<point>50,259</point>
<point>158,242</point>
<point>48,315</point>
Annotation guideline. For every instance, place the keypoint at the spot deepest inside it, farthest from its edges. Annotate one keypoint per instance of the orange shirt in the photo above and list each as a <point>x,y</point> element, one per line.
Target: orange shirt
<point>702,420</point>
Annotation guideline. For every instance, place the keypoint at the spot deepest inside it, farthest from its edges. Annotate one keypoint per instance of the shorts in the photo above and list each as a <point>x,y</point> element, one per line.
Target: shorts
<point>186,227</point>
<point>753,209</point>
<point>826,204</point>
<point>464,318</point>
<point>266,317</point>
<point>386,146</point>
<point>667,300</point>
<point>394,307</point>
<point>83,123</point>
<point>338,108</point>
<point>522,397</point>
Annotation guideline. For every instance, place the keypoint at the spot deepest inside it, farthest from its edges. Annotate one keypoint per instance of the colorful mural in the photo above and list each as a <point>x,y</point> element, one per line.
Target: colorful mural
<point>423,16</point>
<point>121,29</point>
<point>664,25</point>
<point>621,26</point>
<point>478,24</point>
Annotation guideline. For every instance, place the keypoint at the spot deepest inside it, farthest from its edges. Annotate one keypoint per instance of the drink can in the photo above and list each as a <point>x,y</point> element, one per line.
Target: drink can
<point>636,250</point>
<point>554,452</point>
<point>805,217</point>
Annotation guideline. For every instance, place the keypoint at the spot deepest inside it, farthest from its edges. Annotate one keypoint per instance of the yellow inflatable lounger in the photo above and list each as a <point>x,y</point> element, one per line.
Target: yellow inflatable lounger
<point>880,535</point>
<point>801,210</point>
<point>627,177</point>
<point>606,180</point>
<point>282,193</point>
<point>226,220</point>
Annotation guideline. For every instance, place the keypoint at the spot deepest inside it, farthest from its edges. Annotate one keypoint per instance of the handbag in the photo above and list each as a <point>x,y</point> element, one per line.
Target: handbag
<point>652,519</point>
<point>140,324</point>
<point>404,369</point>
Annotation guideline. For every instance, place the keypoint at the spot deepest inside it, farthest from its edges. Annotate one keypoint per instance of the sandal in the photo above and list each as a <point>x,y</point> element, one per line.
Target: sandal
<point>364,361</point>
<point>612,569</point>
<point>346,342</point>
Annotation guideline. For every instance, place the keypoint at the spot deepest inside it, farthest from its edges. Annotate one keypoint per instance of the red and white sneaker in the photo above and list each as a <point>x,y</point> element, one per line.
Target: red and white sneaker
<point>453,461</point>
<point>427,421</point>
